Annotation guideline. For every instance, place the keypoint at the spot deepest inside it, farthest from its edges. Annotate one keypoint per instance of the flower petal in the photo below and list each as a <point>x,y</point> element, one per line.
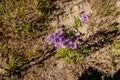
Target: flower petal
<point>59,32</point>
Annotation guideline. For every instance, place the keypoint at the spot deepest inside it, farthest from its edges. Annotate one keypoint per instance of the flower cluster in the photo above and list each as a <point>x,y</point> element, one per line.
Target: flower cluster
<point>65,38</point>
<point>84,17</point>
<point>61,40</point>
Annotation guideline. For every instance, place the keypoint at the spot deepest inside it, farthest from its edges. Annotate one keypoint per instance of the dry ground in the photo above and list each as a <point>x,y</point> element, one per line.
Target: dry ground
<point>23,33</point>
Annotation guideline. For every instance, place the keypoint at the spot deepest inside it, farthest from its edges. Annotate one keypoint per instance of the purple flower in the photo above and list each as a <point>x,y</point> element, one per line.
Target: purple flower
<point>84,17</point>
<point>73,46</point>
<point>57,40</point>
<point>68,41</point>
<point>57,45</point>
<point>48,40</point>
<point>72,29</point>
<point>60,41</point>
<point>59,32</point>
<point>52,37</point>
<point>62,38</point>
<point>75,37</point>
<point>62,45</point>
<point>65,43</point>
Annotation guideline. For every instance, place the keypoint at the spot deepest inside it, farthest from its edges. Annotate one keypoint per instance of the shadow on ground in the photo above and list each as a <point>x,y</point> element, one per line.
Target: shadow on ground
<point>101,38</point>
<point>92,74</point>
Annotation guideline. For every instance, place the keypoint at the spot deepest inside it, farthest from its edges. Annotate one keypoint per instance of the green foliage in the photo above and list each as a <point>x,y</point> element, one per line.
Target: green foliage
<point>23,27</point>
<point>117,27</point>
<point>70,55</point>
<point>13,62</point>
<point>12,8</point>
<point>77,23</point>
<point>24,30</point>
<point>108,7</point>
<point>45,6</point>
<point>68,34</point>
<point>103,77</point>
<point>117,46</point>
<point>118,62</point>
<point>15,24</point>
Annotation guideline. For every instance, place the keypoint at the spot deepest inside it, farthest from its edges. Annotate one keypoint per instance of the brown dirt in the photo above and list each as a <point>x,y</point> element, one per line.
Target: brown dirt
<point>44,66</point>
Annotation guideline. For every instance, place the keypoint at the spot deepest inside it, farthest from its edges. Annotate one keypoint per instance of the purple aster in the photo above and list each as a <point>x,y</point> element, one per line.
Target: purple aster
<point>73,46</point>
<point>84,17</point>
<point>59,32</point>
<point>57,40</point>
<point>66,44</point>
<point>57,45</point>
<point>52,37</point>
<point>62,38</point>
<point>75,37</point>
<point>72,29</point>
<point>62,45</point>
<point>48,40</point>
<point>68,41</point>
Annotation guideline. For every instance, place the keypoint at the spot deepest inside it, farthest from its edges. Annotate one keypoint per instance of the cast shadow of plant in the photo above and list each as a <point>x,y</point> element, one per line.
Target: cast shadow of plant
<point>117,75</point>
<point>92,74</point>
<point>100,39</point>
